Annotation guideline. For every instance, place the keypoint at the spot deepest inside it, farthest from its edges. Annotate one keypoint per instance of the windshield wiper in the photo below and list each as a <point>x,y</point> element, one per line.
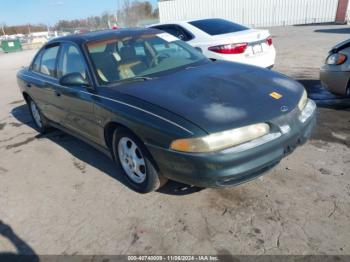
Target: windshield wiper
<point>144,78</point>
<point>134,79</point>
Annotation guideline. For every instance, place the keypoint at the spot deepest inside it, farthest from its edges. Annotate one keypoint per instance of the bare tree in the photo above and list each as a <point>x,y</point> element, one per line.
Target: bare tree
<point>22,29</point>
<point>132,11</point>
<point>2,28</point>
<point>129,13</point>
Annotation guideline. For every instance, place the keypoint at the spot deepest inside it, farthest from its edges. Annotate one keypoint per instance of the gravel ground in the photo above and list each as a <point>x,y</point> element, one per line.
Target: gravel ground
<point>60,196</point>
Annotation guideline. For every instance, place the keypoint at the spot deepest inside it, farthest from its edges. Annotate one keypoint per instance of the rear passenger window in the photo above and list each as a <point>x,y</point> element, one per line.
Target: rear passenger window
<point>48,61</point>
<point>177,31</point>
<point>170,30</point>
<point>184,35</point>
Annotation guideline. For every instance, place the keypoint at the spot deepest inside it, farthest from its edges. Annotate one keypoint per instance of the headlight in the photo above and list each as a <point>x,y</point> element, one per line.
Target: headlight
<point>336,59</point>
<point>303,101</point>
<point>221,140</point>
<point>308,111</point>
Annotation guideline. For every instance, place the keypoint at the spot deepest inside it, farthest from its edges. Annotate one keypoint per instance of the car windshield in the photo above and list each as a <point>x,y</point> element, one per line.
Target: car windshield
<point>218,26</point>
<point>140,57</point>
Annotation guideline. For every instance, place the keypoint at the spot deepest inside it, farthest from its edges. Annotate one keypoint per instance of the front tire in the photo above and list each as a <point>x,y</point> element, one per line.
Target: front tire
<point>136,162</point>
<point>40,122</point>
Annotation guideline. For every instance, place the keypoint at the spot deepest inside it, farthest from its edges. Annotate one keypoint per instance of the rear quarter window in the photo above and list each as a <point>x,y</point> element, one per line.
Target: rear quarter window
<point>218,26</point>
<point>36,63</point>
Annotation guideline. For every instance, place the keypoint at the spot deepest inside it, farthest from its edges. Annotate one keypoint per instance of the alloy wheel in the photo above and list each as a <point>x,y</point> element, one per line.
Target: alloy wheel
<point>36,114</point>
<point>132,160</point>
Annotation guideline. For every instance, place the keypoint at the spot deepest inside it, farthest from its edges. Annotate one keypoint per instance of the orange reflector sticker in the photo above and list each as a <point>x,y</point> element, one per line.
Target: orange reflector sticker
<point>276,95</point>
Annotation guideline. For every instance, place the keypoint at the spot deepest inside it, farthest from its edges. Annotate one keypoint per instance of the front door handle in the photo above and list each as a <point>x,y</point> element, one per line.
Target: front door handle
<point>57,93</point>
<point>29,85</point>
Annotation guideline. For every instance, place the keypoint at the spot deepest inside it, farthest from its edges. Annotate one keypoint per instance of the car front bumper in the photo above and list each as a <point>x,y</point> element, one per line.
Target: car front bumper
<point>335,81</point>
<point>229,167</point>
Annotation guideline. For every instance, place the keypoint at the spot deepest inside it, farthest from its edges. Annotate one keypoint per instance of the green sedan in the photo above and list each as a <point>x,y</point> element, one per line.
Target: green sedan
<point>161,110</point>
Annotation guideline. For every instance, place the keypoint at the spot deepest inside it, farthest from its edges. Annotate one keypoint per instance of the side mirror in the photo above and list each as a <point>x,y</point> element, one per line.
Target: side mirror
<point>73,79</point>
<point>199,49</point>
<point>181,37</point>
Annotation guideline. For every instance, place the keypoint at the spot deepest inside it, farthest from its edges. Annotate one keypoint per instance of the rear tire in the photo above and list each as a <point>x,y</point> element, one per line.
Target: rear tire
<point>136,162</point>
<point>40,122</point>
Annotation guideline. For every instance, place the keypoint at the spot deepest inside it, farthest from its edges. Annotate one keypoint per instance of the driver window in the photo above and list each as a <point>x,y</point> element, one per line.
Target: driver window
<point>71,61</point>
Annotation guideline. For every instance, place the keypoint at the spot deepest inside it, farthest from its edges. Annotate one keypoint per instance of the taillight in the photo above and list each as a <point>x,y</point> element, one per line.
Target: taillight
<point>269,40</point>
<point>229,49</point>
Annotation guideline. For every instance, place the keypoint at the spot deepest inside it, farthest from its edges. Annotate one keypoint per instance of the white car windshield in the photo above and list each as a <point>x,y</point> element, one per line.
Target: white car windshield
<point>138,56</point>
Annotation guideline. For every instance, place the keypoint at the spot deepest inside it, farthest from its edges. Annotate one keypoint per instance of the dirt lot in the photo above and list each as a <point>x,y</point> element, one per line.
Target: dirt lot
<point>60,196</point>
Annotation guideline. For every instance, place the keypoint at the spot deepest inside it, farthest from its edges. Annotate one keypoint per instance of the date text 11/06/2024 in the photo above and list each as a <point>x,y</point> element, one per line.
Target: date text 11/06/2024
<point>173,258</point>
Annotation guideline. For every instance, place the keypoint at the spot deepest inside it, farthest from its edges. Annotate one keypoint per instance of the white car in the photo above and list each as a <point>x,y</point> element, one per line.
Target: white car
<point>219,39</point>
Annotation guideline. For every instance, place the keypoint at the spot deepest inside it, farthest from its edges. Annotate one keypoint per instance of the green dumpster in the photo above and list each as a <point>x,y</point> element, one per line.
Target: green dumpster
<point>11,45</point>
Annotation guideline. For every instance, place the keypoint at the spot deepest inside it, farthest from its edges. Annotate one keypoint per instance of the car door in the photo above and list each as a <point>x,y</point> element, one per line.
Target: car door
<point>43,81</point>
<point>76,101</point>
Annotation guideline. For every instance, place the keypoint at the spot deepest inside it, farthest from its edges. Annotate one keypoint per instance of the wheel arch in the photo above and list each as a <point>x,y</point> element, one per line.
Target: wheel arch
<point>109,130</point>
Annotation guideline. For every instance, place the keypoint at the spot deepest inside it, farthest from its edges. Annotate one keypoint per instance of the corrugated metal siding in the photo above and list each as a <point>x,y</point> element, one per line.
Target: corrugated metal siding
<point>254,13</point>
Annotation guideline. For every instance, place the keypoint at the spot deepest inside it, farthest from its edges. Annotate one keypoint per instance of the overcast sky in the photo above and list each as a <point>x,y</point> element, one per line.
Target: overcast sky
<point>16,12</point>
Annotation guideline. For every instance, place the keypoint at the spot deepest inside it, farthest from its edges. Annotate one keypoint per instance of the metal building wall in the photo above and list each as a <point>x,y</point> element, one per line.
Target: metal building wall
<point>254,13</point>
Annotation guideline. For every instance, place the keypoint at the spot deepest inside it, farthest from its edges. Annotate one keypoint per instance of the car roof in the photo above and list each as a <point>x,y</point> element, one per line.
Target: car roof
<point>170,22</point>
<point>185,21</point>
<point>104,34</point>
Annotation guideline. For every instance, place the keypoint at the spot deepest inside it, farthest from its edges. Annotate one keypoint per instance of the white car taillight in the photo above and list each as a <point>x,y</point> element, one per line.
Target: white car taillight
<point>269,41</point>
<point>229,48</point>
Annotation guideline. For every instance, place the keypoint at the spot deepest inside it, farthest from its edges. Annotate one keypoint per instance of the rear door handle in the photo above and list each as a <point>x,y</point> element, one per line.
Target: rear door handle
<point>57,93</point>
<point>29,85</point>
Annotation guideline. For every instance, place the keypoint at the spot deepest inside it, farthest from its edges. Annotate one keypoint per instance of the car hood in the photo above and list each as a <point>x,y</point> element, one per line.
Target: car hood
<point>220,95</point>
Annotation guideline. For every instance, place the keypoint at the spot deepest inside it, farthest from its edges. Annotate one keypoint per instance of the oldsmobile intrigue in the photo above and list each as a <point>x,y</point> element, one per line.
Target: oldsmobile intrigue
<point>162,110</point>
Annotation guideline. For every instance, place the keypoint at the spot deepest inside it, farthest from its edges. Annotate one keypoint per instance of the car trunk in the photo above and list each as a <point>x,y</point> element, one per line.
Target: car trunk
<point>245,36</point>
<point>256,40</point>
